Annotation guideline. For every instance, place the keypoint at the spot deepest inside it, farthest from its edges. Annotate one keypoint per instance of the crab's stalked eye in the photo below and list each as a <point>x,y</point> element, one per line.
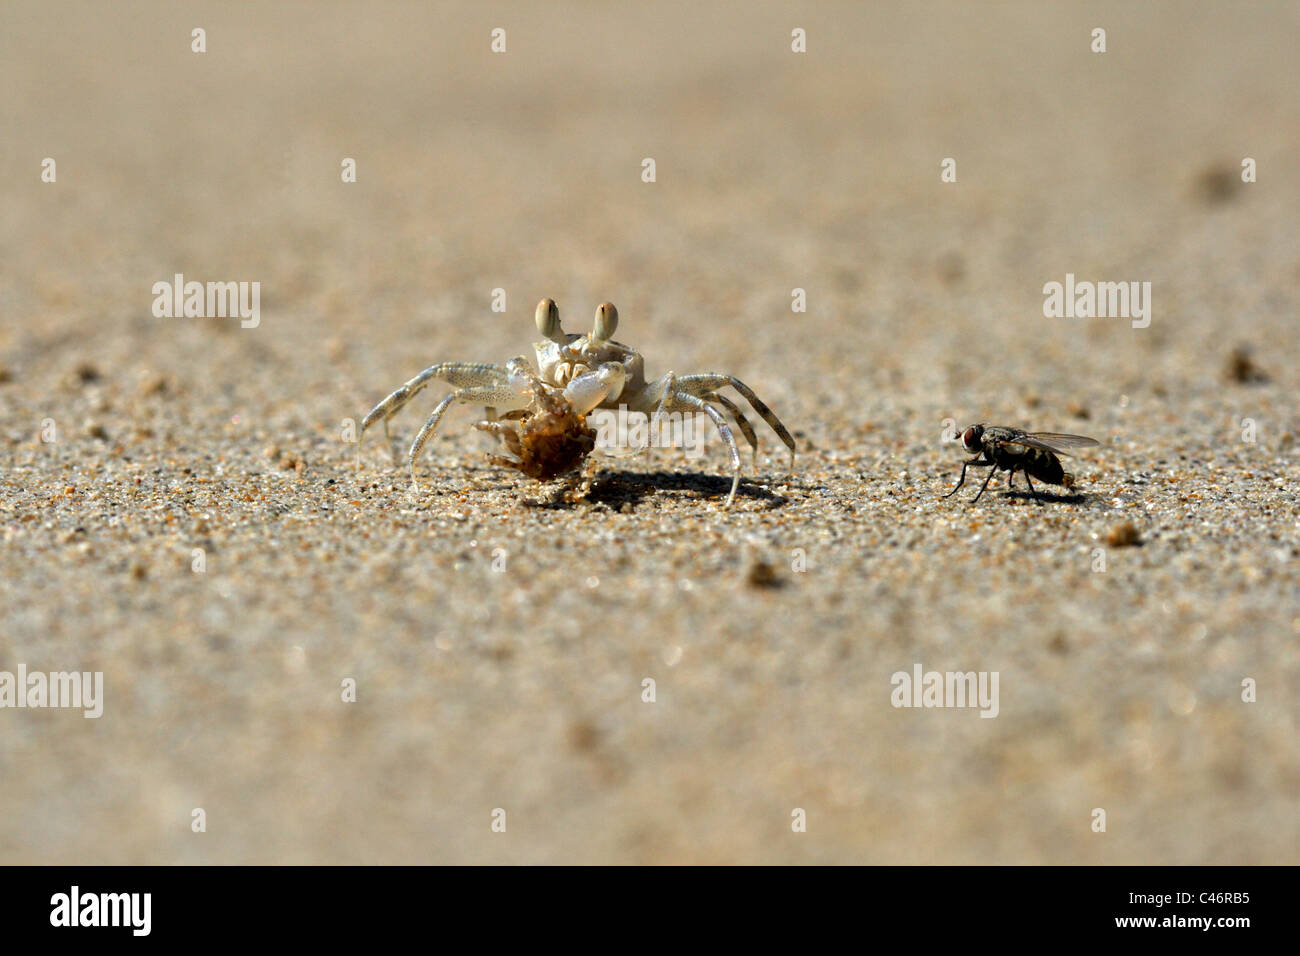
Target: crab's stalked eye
<point>548,321</point>
<point>606,322</point>
<point>971,437</point>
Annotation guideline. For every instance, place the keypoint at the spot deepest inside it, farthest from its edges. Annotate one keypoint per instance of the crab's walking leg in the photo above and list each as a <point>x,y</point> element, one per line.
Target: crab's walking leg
<point>668,384</point>
<point>459,374</point>
<point>691,401</point>
<point>503,396</point>
<point>742,422</point>
<point>657,398</point>
<point>706,383</point>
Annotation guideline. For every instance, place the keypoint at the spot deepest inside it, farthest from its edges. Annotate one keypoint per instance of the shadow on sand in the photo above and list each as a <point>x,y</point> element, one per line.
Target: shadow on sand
<point>1048,497</point>
<point>615,489</point>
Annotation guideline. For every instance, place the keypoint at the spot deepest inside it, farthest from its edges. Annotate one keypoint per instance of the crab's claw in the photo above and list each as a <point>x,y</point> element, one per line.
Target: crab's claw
<point>521,376</point>
<point>604,384</point>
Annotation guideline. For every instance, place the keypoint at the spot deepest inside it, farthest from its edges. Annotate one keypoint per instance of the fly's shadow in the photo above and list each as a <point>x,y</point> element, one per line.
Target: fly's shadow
<point>1050,497</point>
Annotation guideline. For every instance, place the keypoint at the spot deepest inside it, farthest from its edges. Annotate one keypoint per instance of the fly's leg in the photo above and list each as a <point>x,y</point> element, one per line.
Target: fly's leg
<point>1032,490</point>
<point>985,485</point>
<point>977,460</point>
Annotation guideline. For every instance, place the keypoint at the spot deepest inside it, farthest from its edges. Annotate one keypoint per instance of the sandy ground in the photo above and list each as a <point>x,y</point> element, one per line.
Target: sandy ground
<point>178,440</point>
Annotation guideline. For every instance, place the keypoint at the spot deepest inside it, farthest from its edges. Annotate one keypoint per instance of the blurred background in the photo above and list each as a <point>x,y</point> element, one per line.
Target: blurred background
<point>522,171</point>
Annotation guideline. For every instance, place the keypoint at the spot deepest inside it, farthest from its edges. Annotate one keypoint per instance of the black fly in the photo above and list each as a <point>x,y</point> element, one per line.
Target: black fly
<point>1012,450</point>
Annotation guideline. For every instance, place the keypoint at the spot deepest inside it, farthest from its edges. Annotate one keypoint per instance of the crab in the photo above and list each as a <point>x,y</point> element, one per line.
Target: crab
<point>544,428</point>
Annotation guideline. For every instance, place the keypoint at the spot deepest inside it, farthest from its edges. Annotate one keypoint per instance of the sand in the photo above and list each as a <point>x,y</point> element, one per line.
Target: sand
<point>197,532</point>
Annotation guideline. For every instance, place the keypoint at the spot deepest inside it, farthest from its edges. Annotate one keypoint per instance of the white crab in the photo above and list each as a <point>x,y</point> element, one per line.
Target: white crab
<point>576,373</point>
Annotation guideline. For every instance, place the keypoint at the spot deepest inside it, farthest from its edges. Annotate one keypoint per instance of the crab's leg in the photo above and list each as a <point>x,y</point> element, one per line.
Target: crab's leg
<point>502,396</point>
<point>655,399</point>
<point>682,400</point>
<point>459,374</point>
<point>706,383</point>
<point>658,397</point>
<point>742,422</point>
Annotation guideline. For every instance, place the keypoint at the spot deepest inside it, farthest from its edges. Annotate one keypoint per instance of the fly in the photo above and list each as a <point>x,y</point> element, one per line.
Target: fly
<point>1012,450</point>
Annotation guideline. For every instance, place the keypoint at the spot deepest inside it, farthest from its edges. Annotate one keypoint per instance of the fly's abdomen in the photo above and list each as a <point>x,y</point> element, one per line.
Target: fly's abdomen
<point>1046,467</point>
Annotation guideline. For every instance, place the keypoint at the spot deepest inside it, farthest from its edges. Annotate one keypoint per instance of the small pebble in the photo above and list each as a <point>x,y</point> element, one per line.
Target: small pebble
<point>763,575</point>
<point>1123,535</point>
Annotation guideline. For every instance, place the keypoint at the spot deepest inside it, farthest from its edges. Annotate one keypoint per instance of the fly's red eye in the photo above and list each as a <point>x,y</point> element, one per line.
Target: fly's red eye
<point>969,437</point>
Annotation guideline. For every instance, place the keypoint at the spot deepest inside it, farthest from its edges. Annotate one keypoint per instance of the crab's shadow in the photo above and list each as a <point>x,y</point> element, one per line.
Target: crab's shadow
<point>616,489</point>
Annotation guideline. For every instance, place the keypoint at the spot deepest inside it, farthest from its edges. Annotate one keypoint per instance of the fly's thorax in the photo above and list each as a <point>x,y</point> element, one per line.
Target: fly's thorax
<point>1006,456</point>
<point>1006,453</point>
<point>996,433</point>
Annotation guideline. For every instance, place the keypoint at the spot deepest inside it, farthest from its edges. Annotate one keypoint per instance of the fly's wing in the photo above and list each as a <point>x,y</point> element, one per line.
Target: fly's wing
<point>1055,442</point>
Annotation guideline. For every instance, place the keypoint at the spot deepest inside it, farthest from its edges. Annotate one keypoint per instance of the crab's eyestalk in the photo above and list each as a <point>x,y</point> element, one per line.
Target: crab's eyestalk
<point>606,322</point>
<point>548,321</point>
